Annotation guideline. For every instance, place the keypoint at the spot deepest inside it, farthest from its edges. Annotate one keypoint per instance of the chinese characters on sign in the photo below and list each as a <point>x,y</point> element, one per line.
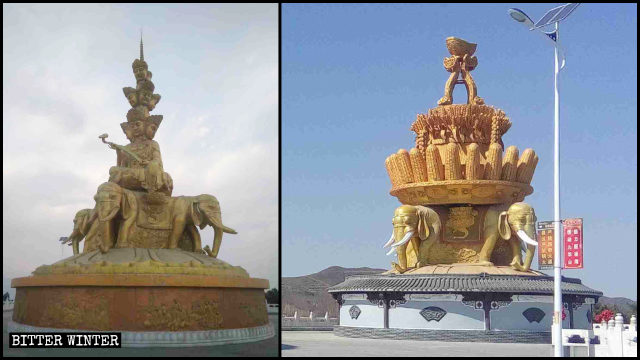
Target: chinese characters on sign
<point>545,245</point>
<point>572,235</point>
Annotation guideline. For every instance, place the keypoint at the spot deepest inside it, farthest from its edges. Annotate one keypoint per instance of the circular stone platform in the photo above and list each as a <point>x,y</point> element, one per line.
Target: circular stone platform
<point>156,297</point>
<point>459,303</point>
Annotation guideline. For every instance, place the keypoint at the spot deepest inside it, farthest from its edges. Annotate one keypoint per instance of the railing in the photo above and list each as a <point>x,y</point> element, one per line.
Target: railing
<point>296,322</point>
<point>616,338</point>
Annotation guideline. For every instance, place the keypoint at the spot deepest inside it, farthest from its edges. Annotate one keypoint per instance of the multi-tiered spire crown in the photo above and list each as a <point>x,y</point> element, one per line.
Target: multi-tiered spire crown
<point>141,98</point>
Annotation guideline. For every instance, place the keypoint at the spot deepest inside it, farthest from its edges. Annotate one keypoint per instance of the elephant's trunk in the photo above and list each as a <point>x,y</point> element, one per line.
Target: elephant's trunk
<point>217,240</point>
<point>107,236</point>
<point>107,211</point>
<point>75,244</point>
<point>74,239</point>
<point>528,257</point>
<point>399,233</point>
<point>218,230</point>
<point>436,224</point>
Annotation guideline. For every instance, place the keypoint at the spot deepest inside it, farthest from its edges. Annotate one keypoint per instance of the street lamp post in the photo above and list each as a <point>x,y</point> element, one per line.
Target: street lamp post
<point>553,16</point>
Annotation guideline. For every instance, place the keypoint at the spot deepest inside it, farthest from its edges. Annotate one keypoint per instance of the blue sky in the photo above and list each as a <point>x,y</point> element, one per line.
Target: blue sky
<point>355,76</point>
<point>64,67</point>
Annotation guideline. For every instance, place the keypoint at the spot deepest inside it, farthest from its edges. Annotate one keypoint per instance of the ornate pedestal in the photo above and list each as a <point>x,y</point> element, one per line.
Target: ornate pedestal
<point>153,296</point>
<point>459,303</point>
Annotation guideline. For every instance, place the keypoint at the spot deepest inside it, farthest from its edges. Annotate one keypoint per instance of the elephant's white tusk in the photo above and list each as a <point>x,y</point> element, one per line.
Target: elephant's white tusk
<point>524,237</point>
<point>405,239</point>
<point>389,242</point>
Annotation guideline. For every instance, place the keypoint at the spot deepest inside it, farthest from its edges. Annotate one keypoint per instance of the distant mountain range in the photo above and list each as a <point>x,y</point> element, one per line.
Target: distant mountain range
<point>309,293</point>
<point>624,305</point>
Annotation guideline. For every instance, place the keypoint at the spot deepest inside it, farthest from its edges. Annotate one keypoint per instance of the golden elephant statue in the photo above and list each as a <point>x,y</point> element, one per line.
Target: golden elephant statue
<point>415,229</point>
<point>83,226</point>
<point>118,215</point>
<point>117,209</point>
<point>517,222</point>
<point>200,210</point>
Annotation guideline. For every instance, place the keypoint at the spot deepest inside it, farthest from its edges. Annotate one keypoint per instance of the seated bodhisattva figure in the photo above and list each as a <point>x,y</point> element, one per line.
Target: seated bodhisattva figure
<point>139,164</point>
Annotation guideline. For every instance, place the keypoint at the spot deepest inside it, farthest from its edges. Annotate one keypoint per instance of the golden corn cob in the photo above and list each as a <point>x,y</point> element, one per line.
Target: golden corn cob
<point>532,168</point>
<point>493,168</point>
<point>452,168</point>
<point>419,166</point>
<point>404,162</point>
<point>395,165</point>
<point>435,170</point>
<point>390,171</point>
<point>510,164</point>
<point>525,164</point>
<point>397,172</point>
<point>472,171</point>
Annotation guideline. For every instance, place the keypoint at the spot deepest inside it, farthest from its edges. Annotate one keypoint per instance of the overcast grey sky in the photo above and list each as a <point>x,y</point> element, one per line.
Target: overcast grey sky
<point>64,67</point>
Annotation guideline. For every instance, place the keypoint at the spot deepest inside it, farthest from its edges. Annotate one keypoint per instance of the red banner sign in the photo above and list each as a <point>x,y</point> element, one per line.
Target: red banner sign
<point>545,245</point>
<point>573,240</point>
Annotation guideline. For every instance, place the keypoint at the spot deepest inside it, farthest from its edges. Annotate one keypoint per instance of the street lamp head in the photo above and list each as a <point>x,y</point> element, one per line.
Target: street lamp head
<point>519,16</point>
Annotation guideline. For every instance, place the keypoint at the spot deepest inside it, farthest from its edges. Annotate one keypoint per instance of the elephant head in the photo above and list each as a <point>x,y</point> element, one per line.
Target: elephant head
<point>519,219</point>
<point>112,200</point>
<point>205,210</point>
<point>81,224</point>
<point>411,223</point>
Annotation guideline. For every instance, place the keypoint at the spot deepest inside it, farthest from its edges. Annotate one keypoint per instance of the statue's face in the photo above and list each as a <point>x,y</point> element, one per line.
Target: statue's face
<point>132,99</point>
<point>152,103</point>
<point>151,131</point>
<point>145,98</point>
<point>137,128</point>
<point>140,73</point>
<point>128,133</point>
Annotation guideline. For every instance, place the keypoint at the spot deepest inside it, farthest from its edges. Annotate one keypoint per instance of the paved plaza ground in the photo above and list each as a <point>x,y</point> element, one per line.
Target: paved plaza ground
<point>324,343</point>
<point>267,347</point>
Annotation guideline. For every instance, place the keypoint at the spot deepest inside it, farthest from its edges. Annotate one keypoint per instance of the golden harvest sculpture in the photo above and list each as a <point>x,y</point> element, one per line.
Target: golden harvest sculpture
<point>135,209</point>
<point>474,191</point>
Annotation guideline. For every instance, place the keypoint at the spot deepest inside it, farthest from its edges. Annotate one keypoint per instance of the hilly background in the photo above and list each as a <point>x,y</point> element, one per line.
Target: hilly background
<point>309,293</point>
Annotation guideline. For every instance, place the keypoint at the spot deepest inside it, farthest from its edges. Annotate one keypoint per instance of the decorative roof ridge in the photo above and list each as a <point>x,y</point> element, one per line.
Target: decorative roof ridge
<point>483,275</point>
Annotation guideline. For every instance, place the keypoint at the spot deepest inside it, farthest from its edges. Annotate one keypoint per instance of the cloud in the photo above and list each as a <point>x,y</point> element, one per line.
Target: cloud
<point>62,84</point>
